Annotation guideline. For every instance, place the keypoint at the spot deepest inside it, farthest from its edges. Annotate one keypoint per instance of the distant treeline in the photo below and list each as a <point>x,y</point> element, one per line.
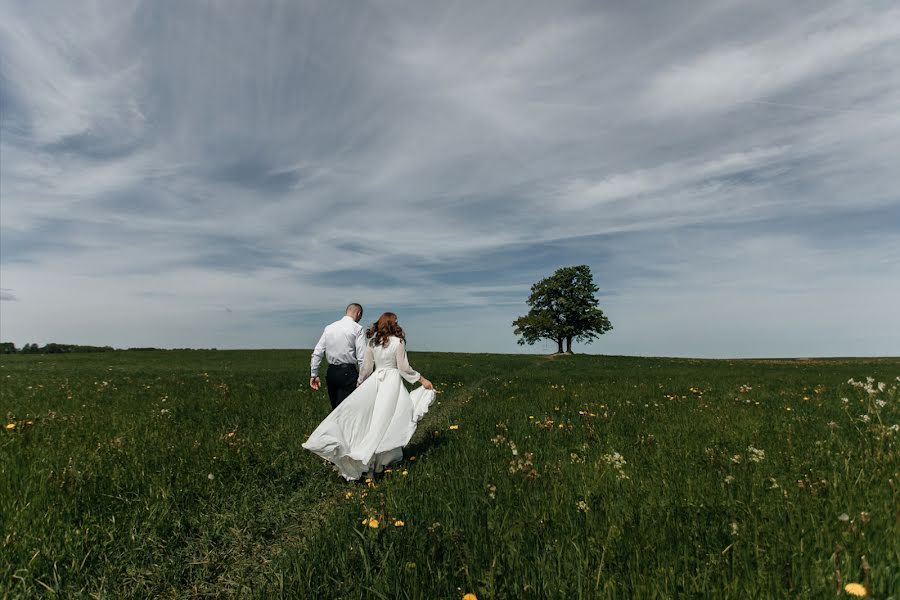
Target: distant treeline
<point>10,348</point>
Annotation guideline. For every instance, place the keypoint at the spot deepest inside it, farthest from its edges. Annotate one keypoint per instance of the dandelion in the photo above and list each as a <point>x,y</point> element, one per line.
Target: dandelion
<point>470,596</point>
<point>856,589</point>
<point>399,523</point>
<point>372,522</point>
<point>348,495</point>
<point>404,472</point>
<point>452,428</point>
<point>10,426</point>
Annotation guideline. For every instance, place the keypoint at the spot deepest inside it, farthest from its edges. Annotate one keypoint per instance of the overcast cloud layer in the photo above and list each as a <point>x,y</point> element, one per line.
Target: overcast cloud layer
<point>232,174</point>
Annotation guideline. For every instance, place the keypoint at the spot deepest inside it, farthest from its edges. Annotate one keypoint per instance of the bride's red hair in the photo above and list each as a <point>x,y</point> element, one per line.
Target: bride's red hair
<point>386,326</point>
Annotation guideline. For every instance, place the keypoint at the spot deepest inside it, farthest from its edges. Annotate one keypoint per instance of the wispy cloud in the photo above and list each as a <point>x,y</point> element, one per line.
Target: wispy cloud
<point>163,160</point>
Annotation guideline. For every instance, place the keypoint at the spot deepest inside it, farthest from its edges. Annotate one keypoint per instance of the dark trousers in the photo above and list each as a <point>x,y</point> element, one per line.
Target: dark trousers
<point>340,381</point>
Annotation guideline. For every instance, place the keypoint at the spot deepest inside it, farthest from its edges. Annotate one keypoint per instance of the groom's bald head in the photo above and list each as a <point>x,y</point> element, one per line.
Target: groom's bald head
<point>354,311</point>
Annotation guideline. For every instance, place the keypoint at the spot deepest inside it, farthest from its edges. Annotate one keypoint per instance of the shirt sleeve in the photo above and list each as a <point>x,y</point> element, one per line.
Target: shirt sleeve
<point>406,371</point>
<point>317,355</point>
<point>368,364</point>
<point>360,348</point>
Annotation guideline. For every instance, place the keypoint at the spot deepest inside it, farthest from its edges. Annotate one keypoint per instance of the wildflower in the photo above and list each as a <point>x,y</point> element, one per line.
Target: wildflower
<point>399,523</point>
<point>845,400</point>
<point>470,596</point>
<point>756,455</point>
<point>372,522</point>
<point>880,403</point>
<point>210,476</point>
<point>404,472</point>
<point>492,491</point>
<point>10,426</point>
<point>864,418</point>
<point>843,517</point>
<point>734,529</point>
<point>582,506</point>
<point>348,495</point>
<point>452,428</point>
<point>729,479</point>
<point>856,589</point>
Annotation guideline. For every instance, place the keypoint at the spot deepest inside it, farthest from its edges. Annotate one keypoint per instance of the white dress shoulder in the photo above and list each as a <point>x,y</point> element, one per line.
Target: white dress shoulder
<point>368,430</point>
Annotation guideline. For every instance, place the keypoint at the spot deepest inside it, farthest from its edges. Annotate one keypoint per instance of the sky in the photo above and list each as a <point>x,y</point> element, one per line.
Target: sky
<point>233,174</point>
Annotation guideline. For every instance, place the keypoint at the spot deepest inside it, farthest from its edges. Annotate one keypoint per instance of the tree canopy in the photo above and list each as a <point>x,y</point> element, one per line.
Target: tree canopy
<point>564,307</point>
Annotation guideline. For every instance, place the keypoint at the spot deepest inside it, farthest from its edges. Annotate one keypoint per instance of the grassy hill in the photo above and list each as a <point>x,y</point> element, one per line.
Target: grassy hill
<point>180,474</point>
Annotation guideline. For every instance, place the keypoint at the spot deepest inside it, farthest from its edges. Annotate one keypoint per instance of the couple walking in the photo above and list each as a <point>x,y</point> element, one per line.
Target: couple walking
<point>373,415</point>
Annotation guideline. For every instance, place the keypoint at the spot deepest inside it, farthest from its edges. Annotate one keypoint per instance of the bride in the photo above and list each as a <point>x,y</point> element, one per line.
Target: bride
<point>369,429</point>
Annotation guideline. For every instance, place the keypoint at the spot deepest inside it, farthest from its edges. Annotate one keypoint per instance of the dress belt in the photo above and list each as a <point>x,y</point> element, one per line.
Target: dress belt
<point>382,372</point>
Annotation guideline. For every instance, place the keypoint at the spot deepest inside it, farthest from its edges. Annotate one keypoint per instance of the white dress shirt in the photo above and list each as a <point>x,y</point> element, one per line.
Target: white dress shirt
<point>343,343</point>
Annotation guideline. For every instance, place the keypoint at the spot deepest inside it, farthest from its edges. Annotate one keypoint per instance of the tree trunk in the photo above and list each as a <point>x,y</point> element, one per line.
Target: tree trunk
<point>559,343</point>
<point>569,345</point>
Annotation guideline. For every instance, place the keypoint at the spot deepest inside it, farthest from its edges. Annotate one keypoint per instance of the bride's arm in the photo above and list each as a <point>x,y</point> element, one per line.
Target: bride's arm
<point>407,371</point>
<point>368,365</point>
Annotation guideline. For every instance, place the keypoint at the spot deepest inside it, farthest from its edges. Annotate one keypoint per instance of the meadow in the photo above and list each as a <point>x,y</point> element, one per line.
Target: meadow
<point>180,474</point>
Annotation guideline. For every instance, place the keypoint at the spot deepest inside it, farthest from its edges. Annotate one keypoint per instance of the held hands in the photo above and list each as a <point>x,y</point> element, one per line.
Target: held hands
<point>314,383</point>
<point>426,384</point>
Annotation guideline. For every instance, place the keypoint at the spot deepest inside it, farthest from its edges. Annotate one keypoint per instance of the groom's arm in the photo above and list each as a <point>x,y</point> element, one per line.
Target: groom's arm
<point>360,349</point>
<point>315,361</point>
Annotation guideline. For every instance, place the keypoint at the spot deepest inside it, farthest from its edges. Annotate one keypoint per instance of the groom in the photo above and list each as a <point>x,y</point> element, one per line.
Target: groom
<point>344,344</point>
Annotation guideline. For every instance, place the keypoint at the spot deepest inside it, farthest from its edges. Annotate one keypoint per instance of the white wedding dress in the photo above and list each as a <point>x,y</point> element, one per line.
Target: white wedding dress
<point>368,430</point>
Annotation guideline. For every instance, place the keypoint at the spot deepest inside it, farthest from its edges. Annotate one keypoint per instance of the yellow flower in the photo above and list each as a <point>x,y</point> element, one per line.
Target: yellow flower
<point>348,495</point>
<point>399,523</point>
<point>405,473</point>
<point>470,596</point>
<point>373,523</point>
<point>856,589</point>
<point>10,426</point>
<point>412,458</point>
<point>454,427</point>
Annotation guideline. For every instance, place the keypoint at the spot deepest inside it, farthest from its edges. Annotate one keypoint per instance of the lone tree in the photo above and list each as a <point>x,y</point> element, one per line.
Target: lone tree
<point>563,308</point>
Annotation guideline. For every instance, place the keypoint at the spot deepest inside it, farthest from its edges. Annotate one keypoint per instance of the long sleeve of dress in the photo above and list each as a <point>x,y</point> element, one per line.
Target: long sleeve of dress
<point>406,371</point>
<point>317,355</point>
<point>368,364</point>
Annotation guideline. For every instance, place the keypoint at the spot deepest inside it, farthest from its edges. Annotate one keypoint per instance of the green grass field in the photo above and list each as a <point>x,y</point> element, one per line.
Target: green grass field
<point>180,474</point>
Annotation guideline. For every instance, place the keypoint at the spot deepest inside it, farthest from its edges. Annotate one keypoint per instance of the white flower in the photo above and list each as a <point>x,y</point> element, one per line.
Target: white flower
<point>880,403</point>
<point>729,479</point>
<point>864,418</point>
<point>845,400</point>
<point>210,476</point>
<point>843,517</point>
<point>756,455</point>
